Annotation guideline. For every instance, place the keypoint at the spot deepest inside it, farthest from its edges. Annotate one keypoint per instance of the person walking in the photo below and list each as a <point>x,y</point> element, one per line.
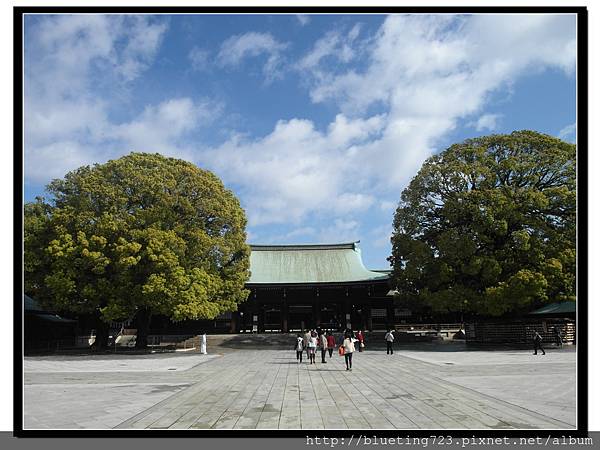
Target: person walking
<point>330,343</point>
<point>389,340</point>
<point>323,344</point>
<point>299,347</point>
<point>312,346</point>
<point>537,343</point>
<point>306,339</point>
<point>361,340</point>
<point>348,345</point>
<point>558,337</point>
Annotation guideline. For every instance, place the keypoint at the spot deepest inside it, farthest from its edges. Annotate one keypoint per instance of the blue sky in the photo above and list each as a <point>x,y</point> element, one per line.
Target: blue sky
<point>316,122</point>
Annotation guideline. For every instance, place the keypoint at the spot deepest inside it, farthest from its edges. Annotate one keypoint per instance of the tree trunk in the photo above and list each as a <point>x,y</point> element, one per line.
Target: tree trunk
<point>142,321</point>
<point>102,329</point>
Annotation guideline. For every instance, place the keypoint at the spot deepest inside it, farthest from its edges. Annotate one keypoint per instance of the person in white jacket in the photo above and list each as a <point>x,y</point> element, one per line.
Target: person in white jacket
<point>348,345</point>
<point>312,347</point>
<point>389,340</point>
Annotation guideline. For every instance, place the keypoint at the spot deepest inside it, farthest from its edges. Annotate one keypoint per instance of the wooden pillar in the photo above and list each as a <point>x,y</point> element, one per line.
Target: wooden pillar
<point>317,309</point>
<point>255,314</point>
<point>347,323</point>
<point>367,310</point>
<point>284,313</point>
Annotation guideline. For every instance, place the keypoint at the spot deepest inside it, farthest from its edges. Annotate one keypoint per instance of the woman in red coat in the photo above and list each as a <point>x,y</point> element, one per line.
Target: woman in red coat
<point>361,340</point>
<point>330,343</point>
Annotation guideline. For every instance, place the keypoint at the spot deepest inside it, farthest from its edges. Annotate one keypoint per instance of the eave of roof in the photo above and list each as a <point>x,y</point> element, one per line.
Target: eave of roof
<point>557,308</point>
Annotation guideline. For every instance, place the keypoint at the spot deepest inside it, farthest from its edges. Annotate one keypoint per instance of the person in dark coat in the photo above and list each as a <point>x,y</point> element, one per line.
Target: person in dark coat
<point>537,343</point>
<point>558,337</point>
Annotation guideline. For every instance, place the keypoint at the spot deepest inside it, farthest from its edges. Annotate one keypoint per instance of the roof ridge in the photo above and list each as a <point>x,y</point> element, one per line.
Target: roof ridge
<point>285,247</point>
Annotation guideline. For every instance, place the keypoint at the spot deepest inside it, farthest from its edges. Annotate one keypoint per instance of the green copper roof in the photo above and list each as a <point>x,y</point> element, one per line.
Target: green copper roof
<point>557,308</point>
<point>283,264</point>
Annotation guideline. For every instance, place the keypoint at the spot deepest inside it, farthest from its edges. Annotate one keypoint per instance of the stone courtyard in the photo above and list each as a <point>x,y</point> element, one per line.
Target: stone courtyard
<point>445,387</point>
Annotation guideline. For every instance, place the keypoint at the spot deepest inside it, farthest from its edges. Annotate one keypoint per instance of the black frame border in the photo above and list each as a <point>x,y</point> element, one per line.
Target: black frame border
<point>582,227</point>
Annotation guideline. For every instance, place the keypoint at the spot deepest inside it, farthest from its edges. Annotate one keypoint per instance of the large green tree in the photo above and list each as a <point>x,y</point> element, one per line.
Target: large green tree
<point>489,226</point>
<point>137,236</point>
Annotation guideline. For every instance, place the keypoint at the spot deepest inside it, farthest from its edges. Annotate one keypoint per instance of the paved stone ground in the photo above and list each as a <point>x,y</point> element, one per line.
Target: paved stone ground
<point>268,389</point>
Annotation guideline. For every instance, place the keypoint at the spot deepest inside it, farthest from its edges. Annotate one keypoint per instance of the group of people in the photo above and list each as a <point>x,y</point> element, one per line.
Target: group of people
<point>323,340</point>
<point>313,340</point>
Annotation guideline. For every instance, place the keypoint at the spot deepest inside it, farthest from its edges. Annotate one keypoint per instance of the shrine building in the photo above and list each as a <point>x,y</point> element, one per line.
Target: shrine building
<point>294,287</point>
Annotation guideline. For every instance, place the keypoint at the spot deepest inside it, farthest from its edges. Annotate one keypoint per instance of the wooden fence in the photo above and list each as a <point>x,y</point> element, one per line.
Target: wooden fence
<point>520,332</point>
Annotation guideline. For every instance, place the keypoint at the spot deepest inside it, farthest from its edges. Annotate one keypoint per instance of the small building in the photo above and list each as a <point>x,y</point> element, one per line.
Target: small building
<point>294,287</point>
<point>45,330</point>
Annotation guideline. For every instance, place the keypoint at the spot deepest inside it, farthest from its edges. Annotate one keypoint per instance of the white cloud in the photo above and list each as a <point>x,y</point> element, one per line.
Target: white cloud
<point>199,59</point>
<point>333,44</point>
<point>296,235</point>
<point>381,235</point>
<point>421,73</point>
<point>340,230</point>
<point>304,19</point>
<point>159,127</point>
<point>343,131</point>
<point>67,120</point>
<point>295,169</point>
<point>387,206</point>
<point>428,72</point>
<point>239,47</point>
<point>568,133</point>
<point>487,122</point>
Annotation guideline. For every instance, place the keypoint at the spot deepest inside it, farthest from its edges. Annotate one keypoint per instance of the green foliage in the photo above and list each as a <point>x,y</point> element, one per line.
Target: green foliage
<point>489,225</point>
<point>140,232</point>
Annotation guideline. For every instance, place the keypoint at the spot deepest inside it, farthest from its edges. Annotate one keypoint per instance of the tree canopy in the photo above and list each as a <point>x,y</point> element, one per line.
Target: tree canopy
<point>489,226</point>
<point>143,234</point>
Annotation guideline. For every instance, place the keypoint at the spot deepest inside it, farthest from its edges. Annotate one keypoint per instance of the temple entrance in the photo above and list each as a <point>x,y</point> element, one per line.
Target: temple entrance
<point>329,316</point>
<point>300,317</point>
<point>359,317</point>
<point>272,318</point>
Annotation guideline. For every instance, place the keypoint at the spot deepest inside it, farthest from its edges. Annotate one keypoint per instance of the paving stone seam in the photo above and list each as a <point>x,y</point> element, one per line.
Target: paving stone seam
<point>327,386</point>
<point>476,397</point>
<point>323,386</point>
<point>131,421</point>
<point>410,373</point>
<point>540,416</point>
<point>472,393</point>
<point>265,381</point>
<point>242,394</point>
<point>225,399</point>
<point>358,393</point>
<point>414,406</point>
<point>375,388</point>
<point>418,385</point>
